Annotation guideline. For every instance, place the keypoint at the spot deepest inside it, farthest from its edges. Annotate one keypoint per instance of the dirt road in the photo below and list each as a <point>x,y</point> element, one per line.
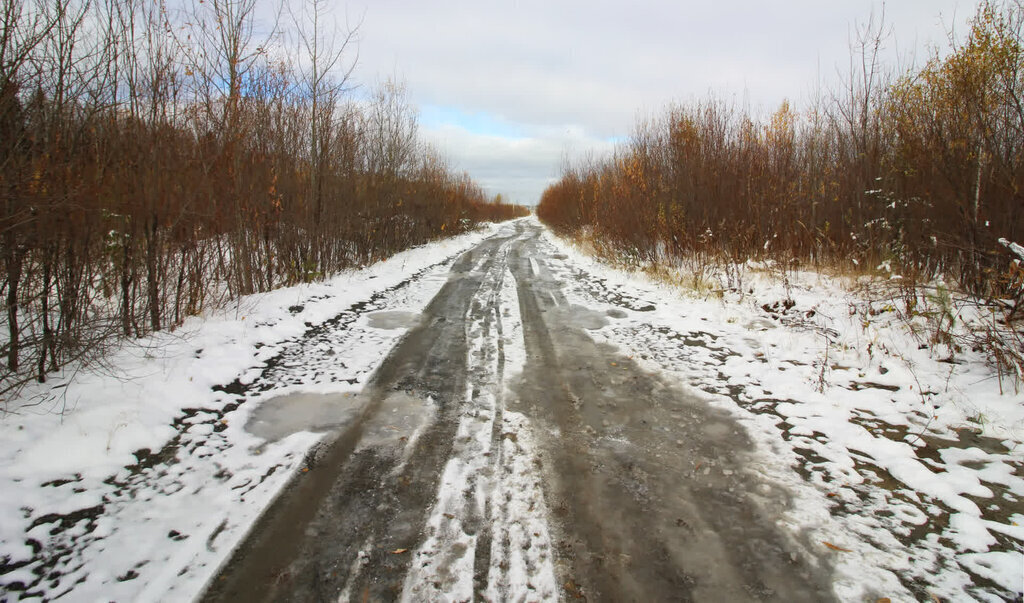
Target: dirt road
<point>500,453</point>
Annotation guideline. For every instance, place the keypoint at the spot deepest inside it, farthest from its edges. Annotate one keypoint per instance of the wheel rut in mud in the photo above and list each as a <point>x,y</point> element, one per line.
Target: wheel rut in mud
<point>348,523</point>
<point>646,490</point>
<point>650,491</point>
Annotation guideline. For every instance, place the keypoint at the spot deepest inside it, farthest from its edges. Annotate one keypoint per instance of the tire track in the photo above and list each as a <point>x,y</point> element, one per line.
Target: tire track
<point>337,527</point>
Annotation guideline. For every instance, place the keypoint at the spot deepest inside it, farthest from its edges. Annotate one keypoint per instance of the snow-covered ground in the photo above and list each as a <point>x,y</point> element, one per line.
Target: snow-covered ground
<point>135,480</point>
<point>905,464</point>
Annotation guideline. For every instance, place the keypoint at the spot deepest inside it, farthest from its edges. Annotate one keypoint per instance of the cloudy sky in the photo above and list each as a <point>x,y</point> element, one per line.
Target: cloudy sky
<point>507,89</point>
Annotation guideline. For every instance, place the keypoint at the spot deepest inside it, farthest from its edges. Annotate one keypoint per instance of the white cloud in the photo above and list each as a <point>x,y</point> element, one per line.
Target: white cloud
<point>591,66</point>
<point>519,168</point>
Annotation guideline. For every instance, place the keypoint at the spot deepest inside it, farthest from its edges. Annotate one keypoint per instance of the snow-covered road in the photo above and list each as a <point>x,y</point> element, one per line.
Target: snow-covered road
<point>506,419</point>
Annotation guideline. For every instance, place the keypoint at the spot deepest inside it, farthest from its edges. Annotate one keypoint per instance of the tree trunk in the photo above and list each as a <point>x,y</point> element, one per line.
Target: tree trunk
<point>47,332</point>
<point>13,260</point>
<point>152,278</point>
<point>180,287</point>
<point>126,285</point>
<point>976,202</point>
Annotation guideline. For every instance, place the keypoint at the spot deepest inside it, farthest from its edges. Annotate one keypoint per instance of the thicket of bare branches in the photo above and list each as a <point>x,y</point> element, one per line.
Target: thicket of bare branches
<point>154,164</point>
<point>920,173</point>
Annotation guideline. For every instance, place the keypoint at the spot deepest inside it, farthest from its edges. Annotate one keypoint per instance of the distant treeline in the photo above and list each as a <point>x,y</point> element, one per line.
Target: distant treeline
<point>153,164</point>
<point>922,171</point>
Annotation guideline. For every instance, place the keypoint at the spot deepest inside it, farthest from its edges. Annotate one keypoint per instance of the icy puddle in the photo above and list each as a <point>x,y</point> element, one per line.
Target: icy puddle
<point>282,416</point>
<point>393,319</point>
<point>581,317</point>
<point>399,420</point>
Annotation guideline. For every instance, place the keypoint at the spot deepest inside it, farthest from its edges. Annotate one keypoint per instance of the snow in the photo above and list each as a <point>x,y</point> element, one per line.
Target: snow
<point>134,480</point>
<point>902,456</point>
<point>522,566</point>
<point>490,486</point>
<point>911,462</point>
<point>1017,249</point>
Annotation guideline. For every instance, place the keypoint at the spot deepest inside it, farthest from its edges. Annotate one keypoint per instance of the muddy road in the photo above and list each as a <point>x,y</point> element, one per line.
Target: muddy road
<point>499,453</point>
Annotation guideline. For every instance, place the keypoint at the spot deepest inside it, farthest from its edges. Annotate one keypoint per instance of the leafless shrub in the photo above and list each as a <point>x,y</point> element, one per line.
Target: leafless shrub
<point>154,164</point>
<point>919,173</point>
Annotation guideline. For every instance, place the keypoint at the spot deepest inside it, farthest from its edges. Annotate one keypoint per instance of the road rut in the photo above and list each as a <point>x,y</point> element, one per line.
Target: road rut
<point>500,453</point>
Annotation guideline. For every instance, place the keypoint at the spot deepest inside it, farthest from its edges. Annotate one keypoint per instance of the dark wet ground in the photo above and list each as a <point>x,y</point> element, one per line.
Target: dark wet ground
<point>648,488</point>
<point>880,504</point>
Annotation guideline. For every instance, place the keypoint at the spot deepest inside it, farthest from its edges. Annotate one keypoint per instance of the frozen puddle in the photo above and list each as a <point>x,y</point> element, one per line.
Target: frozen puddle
<point>393,319</point>
<point>282,416</point>
<point>582,317</point>
<point>400,420</point>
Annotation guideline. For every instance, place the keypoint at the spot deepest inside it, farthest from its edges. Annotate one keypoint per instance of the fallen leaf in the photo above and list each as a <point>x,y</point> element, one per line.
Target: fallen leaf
<point>399,551</point>
<point>884,600</point>
<point>449,516</point>
<point>835,548</point>
<point>574,589</point>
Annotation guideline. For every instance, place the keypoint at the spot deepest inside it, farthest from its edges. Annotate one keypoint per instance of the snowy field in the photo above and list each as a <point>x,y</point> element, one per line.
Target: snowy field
<point>906,464</point>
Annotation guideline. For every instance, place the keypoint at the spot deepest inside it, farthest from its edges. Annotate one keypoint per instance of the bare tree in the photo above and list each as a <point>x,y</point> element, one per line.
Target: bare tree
<point>325,77</point>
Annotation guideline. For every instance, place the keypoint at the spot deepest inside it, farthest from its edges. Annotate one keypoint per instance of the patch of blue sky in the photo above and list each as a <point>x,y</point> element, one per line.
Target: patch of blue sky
<point>485,124</point>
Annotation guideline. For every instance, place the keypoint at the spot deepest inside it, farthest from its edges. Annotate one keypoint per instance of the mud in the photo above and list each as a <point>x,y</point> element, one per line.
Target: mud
<point>652,496</point>
<point>336,526</point>
<point>650,490</point>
